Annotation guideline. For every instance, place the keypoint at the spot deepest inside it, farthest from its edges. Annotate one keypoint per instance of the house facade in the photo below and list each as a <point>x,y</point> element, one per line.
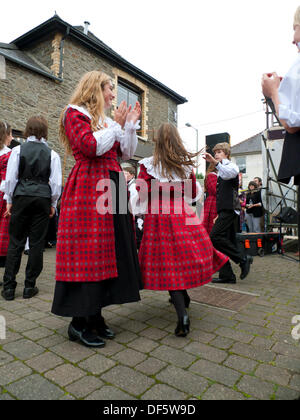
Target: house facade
<point>248,157</point>
<point>40,69</point>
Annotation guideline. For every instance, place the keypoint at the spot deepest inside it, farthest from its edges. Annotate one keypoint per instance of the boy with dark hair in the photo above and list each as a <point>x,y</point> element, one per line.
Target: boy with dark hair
<point>32,188</point>
<point>223,234</point>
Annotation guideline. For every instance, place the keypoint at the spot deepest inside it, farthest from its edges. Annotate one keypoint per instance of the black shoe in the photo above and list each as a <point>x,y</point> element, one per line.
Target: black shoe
<point>29,292</point>
<point>8,294</point>
<point>224,281</point>
<point>1,283</point>
<point>101,329</point>
<point>245,266</point>
<point>86,337</point>
<point>183,327</point>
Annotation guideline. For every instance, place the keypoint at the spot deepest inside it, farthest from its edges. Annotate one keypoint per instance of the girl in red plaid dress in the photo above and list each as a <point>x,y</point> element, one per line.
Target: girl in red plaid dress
<point>176,253</point>
<point>96,260</point>
<point>210,204</point>
<point>5,151</point>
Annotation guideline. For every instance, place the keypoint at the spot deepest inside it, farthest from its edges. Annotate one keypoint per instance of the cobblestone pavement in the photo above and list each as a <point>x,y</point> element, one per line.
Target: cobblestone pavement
<point>243,355</point>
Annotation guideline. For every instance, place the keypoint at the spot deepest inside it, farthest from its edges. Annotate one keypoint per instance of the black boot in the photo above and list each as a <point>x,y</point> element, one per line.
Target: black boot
<point>245,266</point>
<point>183,327</point>
<point>78,330</point>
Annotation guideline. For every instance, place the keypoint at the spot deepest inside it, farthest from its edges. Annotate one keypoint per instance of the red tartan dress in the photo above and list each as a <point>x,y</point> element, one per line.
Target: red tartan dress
<point>176,252</point>
<point>4,221</point>
<point>210,204</point>
<point>85,239</point>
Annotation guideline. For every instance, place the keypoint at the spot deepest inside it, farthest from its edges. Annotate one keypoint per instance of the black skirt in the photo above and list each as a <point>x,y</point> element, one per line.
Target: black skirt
<point>289,165</point>
<point>86,299</point>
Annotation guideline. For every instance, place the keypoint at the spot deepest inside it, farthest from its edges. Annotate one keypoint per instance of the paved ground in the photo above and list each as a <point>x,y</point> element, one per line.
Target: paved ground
<point>236,356</point>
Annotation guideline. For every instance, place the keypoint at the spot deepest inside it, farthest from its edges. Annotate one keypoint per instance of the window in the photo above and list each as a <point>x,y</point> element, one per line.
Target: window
<point>241,163</point>
<point>129,94</point>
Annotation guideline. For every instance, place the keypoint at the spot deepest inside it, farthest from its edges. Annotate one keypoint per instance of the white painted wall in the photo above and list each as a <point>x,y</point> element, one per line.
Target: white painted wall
<point>254,167</point>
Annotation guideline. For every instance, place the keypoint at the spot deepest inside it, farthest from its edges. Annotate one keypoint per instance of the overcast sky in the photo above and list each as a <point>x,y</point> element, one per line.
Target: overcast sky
<point>211,52</point>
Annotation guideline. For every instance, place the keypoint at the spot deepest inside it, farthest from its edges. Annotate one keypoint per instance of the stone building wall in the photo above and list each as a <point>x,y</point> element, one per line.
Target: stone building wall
<point>25,93</point>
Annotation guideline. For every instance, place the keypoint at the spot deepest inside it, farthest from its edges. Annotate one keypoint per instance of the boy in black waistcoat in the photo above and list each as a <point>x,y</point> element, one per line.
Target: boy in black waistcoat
<point>223,234</point>
<point>32,188</point>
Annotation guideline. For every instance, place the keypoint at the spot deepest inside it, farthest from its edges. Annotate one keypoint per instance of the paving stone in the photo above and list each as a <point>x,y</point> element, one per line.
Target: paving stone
<point>173,356</point>
<point>128,380</point>
<point>130,357</point>
<point>5,358</point>
<point>153,333</point>
<point>265,343</point>
<point>20,325</point>
<point>158,322</point>
<point>12,372</point>
<point>220,321</point>
<point>295,382</point>
<point>151,366</point>
<point>84,386</point>
<point>182,380</point>
<point>23,349</point>
<point>241,364</point>
<point>206,352</point>
<point>35,316</point>
<point>255,329</point>
<point>109,393</point>
<point>164,393</point>
<point>175,342</point>
<point>252,352</point>
<point>201,336</point>
<point>35,387</point>
<point>44,362</point>
<point>126,337</point>
<point>215,372</point>
<point>250,319</point>
<point>38,333</point>
<point>133,326</point>
<point>6,397</point>
<point>52,341</point>
<point>273,374</point>
<point>72,352</point>
<point>234,334</point>
<point>222,343</point>
<point>143,344</point>
<point>111,348</point>
<point>219,392</point>
<point>288,363</point>
<point>97,364</point>
<point>287,394</point>
<point>287,350</point>
<point>255,387</point>
<point>53,323</point>
<point>64,375</point>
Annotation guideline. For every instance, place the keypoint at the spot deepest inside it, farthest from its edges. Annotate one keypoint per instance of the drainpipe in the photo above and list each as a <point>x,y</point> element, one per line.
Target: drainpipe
<point>61,48</point>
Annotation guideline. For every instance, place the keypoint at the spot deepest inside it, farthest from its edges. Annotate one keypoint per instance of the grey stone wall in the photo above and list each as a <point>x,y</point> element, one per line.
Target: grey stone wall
<point>25,93</point>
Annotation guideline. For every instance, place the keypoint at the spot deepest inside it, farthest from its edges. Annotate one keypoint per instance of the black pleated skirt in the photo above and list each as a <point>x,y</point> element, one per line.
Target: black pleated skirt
<point>86,299</point>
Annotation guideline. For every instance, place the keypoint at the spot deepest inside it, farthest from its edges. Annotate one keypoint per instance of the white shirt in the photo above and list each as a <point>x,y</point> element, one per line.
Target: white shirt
<point>107,137</point>
<point>12,173</point>
<point>4,151</point>
<point>289,96</point>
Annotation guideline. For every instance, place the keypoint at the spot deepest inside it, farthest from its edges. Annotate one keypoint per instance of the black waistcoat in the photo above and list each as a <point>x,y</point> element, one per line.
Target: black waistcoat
<point>290,159</point>
<point>227,194</point>
<point>34,170</point>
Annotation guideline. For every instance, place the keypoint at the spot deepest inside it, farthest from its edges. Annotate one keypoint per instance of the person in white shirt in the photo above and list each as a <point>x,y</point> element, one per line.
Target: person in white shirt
<point>285,96</point>
<point>32,188</point>
<point>223,233</point>
<point>129,173</point>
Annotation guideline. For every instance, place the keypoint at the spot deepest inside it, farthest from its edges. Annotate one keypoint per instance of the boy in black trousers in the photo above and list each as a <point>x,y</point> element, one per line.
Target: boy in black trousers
<point>32,188</point>
<point>223,234</point>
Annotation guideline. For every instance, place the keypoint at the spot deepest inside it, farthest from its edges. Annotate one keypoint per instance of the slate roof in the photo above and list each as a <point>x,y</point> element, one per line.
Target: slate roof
<point>251,145</point>
<point>13,53</point>
<point>90,41</point>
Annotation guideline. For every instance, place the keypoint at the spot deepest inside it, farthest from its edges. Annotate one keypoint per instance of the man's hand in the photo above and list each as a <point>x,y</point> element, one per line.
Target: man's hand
<point>8,210</point>
<point>52,212</point>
